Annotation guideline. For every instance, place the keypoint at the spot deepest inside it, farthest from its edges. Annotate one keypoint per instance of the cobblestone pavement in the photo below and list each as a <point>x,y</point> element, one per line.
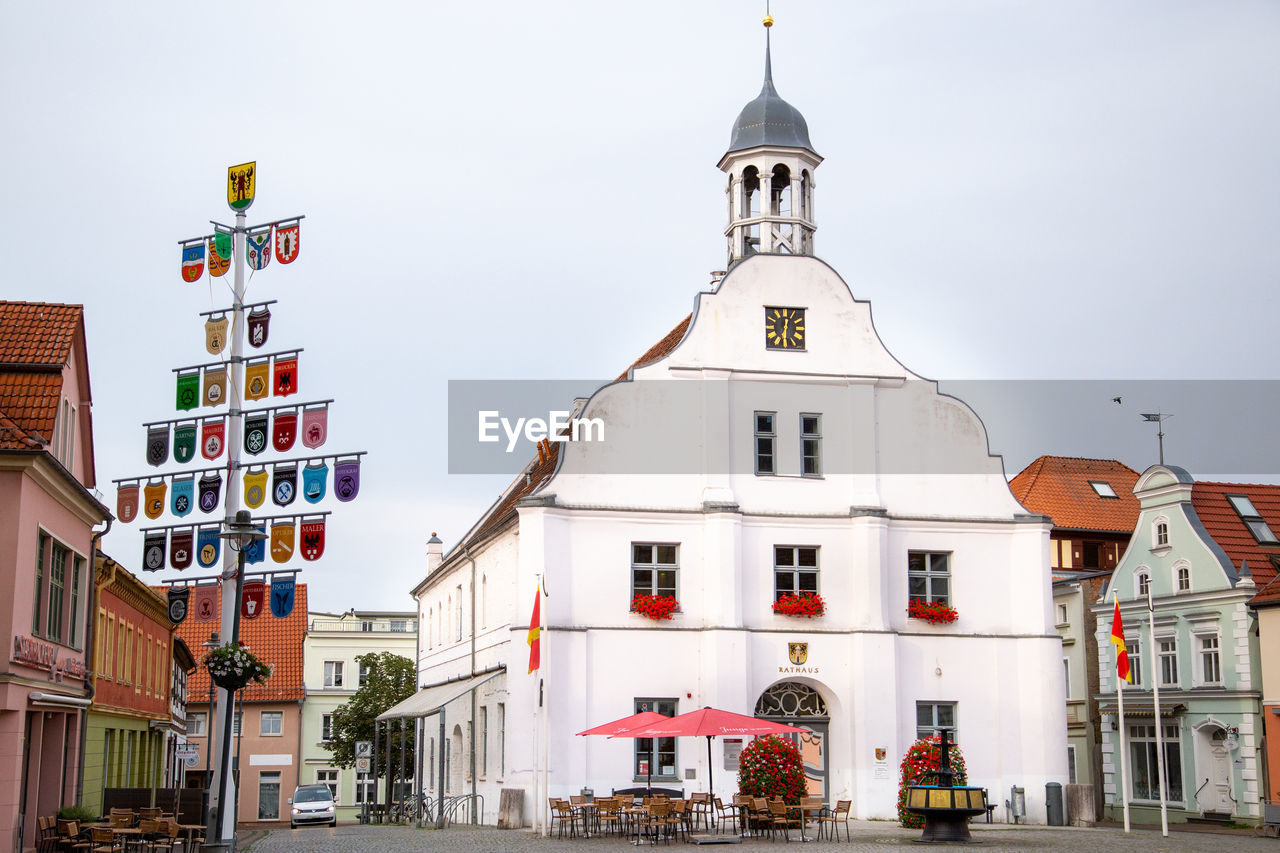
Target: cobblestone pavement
<point>866,835</point>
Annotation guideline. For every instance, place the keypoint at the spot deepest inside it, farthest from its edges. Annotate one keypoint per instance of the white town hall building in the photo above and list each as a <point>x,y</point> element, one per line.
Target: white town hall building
<point>770,443</point>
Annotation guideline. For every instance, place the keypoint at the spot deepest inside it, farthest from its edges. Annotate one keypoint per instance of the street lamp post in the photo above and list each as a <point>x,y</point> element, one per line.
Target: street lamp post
<point>210,644</point>
<point>240,535</point>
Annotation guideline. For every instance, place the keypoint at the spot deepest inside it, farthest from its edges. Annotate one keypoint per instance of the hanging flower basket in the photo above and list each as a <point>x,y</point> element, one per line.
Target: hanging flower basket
<point>655,607</point>
<point>806,604</point>
<point>932,612</point>
<point>233,667</point>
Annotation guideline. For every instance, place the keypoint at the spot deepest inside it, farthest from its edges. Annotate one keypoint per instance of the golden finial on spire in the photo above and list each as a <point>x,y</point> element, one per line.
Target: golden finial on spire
<point>768,20</point>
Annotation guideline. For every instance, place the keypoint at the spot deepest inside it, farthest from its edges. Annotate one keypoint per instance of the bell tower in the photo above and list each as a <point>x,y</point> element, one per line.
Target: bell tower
<point>770,164</point>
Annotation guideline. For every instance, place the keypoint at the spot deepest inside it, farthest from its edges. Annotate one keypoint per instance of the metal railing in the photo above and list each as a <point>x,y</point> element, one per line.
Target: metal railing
<point>366,626</point>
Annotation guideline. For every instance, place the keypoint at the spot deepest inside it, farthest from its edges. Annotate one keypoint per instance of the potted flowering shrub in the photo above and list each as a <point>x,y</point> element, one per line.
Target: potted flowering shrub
<point>232,667</point>
<point>807,604</point>
<point>932,612</point>
<point>920,759</point>
<point>771,767</point>
<point>655,607</point>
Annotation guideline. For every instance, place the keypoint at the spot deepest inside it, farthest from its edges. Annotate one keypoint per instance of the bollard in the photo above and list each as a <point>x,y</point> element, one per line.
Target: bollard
<point>1053,804</point>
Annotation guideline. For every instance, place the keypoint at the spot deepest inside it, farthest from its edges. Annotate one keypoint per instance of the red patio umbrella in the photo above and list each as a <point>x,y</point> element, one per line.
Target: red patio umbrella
<point>617,727</point>
<point>709,722</point>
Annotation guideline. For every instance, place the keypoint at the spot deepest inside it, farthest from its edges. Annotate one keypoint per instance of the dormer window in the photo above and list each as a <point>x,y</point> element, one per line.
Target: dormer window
<point>1104,489</point>
<point>1160,534</point>
<point>1253,520</point>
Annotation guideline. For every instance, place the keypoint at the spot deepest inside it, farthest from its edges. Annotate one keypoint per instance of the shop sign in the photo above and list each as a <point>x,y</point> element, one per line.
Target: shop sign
<point>41,655</point>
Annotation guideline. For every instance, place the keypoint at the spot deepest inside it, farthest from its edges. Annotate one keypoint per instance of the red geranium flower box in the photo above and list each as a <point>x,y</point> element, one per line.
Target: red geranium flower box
<point>932,612</point>
<point>655,607</point>
<point>806,604</point>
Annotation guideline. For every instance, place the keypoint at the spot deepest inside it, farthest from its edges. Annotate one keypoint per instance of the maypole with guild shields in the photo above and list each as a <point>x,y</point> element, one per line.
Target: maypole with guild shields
<point>231,380</point>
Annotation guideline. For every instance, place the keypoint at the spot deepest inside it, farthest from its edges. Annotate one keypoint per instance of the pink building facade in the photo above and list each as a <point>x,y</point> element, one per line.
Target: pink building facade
<point>47,542</point>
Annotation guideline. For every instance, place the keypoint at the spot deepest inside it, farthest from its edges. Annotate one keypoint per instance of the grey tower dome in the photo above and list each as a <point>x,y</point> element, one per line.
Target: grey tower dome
<point>769,120</point>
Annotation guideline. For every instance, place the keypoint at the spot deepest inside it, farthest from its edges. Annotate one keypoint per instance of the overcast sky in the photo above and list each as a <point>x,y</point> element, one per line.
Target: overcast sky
<point>516,190</point>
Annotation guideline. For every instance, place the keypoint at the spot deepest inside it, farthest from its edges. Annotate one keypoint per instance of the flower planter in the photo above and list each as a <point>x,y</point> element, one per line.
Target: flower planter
<point>233,667</point>
<point>655,607</point>
<point>806,604</point>
<point>932,612</point>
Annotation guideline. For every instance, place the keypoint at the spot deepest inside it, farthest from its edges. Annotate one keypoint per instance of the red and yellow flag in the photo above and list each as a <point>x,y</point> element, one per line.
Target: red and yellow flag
<point>1122,654</point>
<point>535,656</point>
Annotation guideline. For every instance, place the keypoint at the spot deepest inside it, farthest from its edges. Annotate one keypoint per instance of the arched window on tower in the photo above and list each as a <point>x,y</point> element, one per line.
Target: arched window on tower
<point>780,191</point>
<point>806,204</point>
<point>750,192</point>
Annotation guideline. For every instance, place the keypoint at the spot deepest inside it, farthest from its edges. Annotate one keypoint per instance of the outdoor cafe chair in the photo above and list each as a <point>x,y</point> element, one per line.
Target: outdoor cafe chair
<point>104,840</point>
<point>563,812</point>
<point>46,835</point>
<point>726,815</point>
<point>71,837</point>
<point>780,818</point>
<point>701,808</point>
<point>758,815</point>
<point>150,813</point>
<point>656,822</point>
<point>608,814</point>
<point>833,819</point>
<point>121,818</point>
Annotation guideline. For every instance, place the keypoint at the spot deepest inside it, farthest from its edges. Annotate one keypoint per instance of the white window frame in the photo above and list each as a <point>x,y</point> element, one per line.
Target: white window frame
<point>771,436</point>
<point>811,445</point>
<point>1179,569</point>
<point>795,570</point>
<point>333,674</point>
<point>934,727</point>
<point>1134,646</point>
<point>654,567</point>
<point>929,574</point>
<point>1163,657</point>
<point>329,777</point>
<point>197,724</point>
<point>1160,532</point>
<point>1066,672</point>
<point>1141,582</point>
<point>326,727</point>
<point>1202,655</point>
<point>267,777</point>
<point>1062,615</point>
<point>276,717</point>
<point>365,787</point>
<point>1143,741</point>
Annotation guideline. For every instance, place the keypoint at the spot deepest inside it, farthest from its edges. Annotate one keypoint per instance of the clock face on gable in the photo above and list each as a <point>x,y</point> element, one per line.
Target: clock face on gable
<point>784,328</point>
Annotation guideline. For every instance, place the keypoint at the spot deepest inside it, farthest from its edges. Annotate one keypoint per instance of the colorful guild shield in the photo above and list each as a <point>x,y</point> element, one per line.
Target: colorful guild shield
<point>286,376</point>
<point>284,484</point>
<point>215,386</point>
<point>178,598</point>
<point>184,442</point>
<point>188,396</point>
<point>255,489</point>
<point>257,552</point>
<point>210,486</point>
<point>181,543</point>
<point>127,502</point>
<point>205,605</point>
<point>184,496</point>
<point>346,479</point>
<point>215,335</point>
<point>284,430</point>
<point>315,426</point>
<point>287,242</point>
<point>254,599</point>
<point>312,539</point>
<point>207,547</point>
<point>219,263</point>
<point>153,551</point>
<point>192,262</point>
<point>314,480</point>
<point>257,380</point>
<point>158,445</point>
<point>259,323</point>
<point>153,499</point>
<point>282,541</point>
<point>213,438</point>
<point>255,433</point>
<point>241,184</point>
<point>281,597</point>
<point>258,249</point>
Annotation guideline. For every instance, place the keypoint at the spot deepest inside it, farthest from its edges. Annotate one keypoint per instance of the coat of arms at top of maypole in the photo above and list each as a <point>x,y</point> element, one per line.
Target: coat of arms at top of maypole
<point>240,185</point>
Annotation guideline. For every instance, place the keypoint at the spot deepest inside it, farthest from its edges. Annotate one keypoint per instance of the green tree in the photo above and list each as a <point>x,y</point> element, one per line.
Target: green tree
<point>388,680</point>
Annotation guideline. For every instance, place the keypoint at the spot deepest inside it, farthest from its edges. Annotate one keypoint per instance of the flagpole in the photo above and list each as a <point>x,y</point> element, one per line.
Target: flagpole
<point>1155,687</point>
<point>230,573</point>
<point>544,697</point>
<point>1124,747</point>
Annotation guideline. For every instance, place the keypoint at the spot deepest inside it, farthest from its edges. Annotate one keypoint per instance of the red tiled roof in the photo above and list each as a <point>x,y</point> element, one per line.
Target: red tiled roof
<point>37,332</point>
<point>662,347</point>
<point>278,642</point>
<point>1223,523</point>
<point>28,407</point>
<point>1059,487</point>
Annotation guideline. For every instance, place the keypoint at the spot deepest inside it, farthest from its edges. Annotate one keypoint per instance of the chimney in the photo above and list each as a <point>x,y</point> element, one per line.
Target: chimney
<point>435,553</point>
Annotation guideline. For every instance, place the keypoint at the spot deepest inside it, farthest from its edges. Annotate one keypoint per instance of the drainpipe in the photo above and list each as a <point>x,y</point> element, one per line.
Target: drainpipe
<point>91,612</point>
<point>466,552</point>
